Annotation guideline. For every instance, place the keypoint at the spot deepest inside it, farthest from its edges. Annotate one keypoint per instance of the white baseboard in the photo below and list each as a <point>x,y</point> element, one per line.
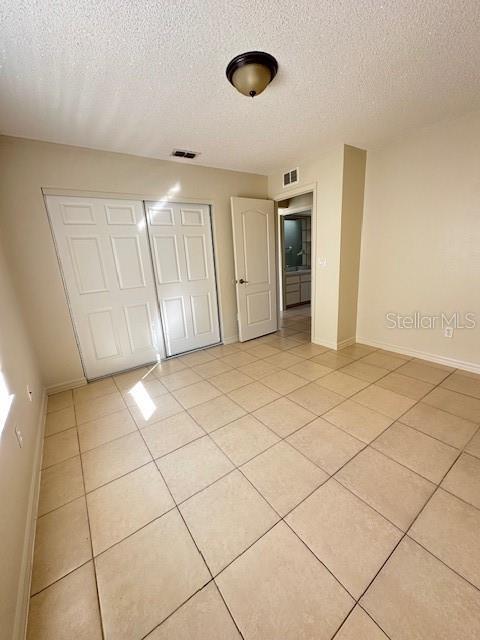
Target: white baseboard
<point>346,343</point>
<point>230,340</point>
<point>474,367</point>
<point>64,386</point>
<point>331,344</point>
<point>23,596</point>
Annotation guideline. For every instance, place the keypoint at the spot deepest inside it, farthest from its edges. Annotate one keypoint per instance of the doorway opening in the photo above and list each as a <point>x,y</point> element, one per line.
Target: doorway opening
<point>295,254</point>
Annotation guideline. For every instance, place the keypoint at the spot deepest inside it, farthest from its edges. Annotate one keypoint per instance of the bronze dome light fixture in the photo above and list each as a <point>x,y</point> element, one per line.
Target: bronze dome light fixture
<point>251,72</point>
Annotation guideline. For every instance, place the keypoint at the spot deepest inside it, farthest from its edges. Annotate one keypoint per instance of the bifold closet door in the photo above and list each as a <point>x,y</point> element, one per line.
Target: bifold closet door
<point>182,250</point>
<point>107,269</point>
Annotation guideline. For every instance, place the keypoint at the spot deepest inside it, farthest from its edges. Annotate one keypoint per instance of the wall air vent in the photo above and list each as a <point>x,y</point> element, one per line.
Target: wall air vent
<point>291,177</point>
<point>181,153</point>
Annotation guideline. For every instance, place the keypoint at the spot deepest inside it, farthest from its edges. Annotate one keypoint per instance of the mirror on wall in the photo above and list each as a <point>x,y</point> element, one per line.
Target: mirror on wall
<point>293,243</point>
<point>297,241</point>
<point>296,233</point>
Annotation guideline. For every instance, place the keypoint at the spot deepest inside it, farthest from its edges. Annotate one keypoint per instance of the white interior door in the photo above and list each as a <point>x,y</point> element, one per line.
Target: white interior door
<point>182,250</point>
<point>253,226</point>
<point>107,269</point>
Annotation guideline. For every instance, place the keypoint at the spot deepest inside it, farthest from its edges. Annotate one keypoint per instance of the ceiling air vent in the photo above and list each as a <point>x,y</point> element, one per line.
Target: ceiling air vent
<point>181,153</point>
<point>291,177</point>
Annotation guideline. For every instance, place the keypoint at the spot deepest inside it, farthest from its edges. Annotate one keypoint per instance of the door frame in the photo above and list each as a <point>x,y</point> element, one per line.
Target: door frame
<point>79,193</point>
<point>291,193</point>
<point>281,253</point>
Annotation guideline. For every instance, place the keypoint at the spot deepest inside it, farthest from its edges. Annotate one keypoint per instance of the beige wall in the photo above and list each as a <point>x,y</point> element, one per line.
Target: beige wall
<point>28,165</point>
<point>325,173</point>
<point>354,162</point>
<point>303,200</point>
<point>421,237</point>
<point>336,177</point>
<point>17,465</point>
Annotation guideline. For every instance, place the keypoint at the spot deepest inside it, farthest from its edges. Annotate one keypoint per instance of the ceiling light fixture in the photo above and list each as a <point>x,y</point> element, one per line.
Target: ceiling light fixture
<point>251,72</point>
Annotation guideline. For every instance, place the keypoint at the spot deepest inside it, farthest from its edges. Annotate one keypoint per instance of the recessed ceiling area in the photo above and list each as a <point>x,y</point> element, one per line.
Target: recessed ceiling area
<point>147,77</point>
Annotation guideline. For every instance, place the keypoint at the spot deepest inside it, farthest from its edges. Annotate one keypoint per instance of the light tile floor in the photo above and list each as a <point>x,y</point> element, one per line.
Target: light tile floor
<point>271,490</point>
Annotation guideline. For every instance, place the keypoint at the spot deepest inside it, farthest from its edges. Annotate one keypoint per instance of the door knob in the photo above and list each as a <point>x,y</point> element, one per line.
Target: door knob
<point>242,281</point>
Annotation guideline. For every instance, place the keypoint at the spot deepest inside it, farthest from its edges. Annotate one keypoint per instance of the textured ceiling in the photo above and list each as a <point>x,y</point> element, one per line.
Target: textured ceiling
<point>145,77</point>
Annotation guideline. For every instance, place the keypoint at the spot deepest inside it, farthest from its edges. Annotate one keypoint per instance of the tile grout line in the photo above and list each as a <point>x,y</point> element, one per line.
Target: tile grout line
<point>355,605</point>
<point>428,434</point>
<point>332,477</point>
<point>193,540</point>
<point>405,535</point>
<point>474,586</point>
<point>282,518</point>
<point>57,580</point>
<point>187,367</point>
<point>177,609</point>
<point>100,614</point>
<point>237,467</point>
<point>285,437</point>
<point>437,486</point>
<point>394,420</point>
<point>174,508</point>
<point>94,557</point>
<point>413,522</point>
<point>373,619</point>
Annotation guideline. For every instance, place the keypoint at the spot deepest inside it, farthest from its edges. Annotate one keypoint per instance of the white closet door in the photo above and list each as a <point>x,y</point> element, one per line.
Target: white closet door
<point>182,250</point>
<point>105,258</point>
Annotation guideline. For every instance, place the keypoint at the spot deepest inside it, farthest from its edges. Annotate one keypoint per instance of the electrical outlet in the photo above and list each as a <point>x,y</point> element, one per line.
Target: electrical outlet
<point>18,433</point>
<point>29,393</point>
<point>448,332</point>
